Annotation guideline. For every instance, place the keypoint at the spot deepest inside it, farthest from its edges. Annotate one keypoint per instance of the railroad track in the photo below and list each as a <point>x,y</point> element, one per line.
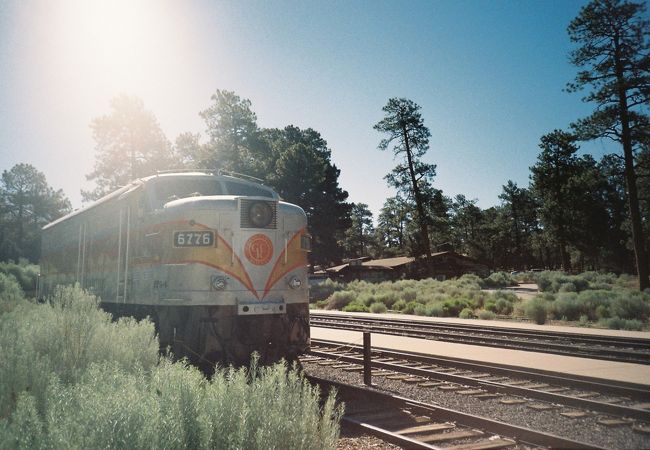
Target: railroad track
<point>416,425</point>
<point>622,349</point>
<point>620,403</point>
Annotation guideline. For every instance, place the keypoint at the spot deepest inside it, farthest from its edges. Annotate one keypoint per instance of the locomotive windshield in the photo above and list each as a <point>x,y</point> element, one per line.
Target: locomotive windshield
<point>167,189</point>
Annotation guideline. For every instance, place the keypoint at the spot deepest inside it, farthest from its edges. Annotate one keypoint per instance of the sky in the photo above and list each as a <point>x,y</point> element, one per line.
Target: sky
<point>488,75</point>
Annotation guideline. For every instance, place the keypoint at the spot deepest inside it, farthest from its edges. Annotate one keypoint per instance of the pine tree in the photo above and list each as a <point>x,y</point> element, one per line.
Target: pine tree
<point>614,55</point>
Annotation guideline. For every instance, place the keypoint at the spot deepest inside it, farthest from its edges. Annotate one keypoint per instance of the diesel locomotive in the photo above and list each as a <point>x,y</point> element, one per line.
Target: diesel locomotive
<point>218,262</point>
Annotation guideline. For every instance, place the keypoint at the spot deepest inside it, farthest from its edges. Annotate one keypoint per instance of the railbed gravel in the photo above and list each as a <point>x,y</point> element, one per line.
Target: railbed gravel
<point>584,429</point>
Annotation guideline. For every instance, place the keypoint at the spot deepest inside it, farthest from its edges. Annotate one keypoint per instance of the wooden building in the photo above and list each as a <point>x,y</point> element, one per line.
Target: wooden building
<point>441,265</point>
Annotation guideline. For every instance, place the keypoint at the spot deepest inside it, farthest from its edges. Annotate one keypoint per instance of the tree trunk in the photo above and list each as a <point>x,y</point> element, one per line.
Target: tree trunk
<point>424,233</point>
<point>640,252</point>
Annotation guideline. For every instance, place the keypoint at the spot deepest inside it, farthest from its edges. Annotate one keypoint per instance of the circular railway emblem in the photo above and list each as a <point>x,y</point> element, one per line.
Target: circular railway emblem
<point>258,249</point>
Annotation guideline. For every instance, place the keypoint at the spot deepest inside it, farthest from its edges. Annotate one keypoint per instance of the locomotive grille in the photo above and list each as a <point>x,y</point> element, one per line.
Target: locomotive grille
<point>248,209</point>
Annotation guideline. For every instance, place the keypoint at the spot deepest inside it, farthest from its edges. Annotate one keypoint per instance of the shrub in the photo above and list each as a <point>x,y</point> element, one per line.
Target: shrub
<point>366,298</point>
<point>466,313</point>
<point>409,294</point>
<point>176,407</point>
<point>500,279</point>
<point>566,306</point>
<point>419,310</point>
<point>323,290</point>
<point>453,307</point>
<point>355,306</point>
<point>61,340</point>
<point>613,323</point>
<point>340,299</point>
<point>535,310</point>
<point>26,274</point>
<point>410,307</point>
<point>434,310</point>
<point>633,325</point>
<point>568,287</point>
<point>399,305</point>
<point>72,378</point>
<point>486,315</point>
<point>10,293</point>
<point>504,302</point>
<point>632,305</point>
<point>378,308</point>
<point>387,298</point>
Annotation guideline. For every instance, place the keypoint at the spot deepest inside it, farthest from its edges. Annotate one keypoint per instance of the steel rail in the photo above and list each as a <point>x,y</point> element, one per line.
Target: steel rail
<point>567,344</point>
<point>641,343</point>
<point>640,392</point>
<point>503,388</point>
<point>521,434</point>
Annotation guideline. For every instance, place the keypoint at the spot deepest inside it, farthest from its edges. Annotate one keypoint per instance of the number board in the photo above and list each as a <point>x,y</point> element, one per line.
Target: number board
<point>193,238</point>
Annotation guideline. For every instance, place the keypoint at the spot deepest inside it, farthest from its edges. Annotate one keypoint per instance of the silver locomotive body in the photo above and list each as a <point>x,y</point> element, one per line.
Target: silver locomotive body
<point>218,263</point>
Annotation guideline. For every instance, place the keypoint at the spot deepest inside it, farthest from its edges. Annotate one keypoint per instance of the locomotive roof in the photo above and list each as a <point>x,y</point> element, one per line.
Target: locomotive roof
<point>142,181</point>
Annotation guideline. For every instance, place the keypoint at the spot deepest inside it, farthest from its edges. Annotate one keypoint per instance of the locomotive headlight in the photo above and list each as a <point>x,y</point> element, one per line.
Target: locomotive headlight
<point>218,283</point>
<point>260,214</point>
<point>295,283</point>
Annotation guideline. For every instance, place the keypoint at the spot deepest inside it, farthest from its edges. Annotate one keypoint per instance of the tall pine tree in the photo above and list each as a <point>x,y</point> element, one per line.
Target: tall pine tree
<point>614,58</point>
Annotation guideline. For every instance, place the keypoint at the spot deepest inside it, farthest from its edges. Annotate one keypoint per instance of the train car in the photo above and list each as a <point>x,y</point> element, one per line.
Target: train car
<point>218,262</point>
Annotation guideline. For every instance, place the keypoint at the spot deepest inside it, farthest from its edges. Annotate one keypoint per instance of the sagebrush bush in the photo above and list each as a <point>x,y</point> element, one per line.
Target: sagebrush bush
<point>61,340</point>
<point>10,293</point>
<point>569,297</point>
<point>500,279</point>
<point>72,378</point>
<point>387,298</point>
<point>486,315</point>
<point>323,290</point>
<point>25,273</point>
<point>466,313</point>
<point>355,306</point>
<point>378,308</point>
<point>631,305</point>
<point>535,310</point>
<point>177,407</point>
<point>566,306</point>
<point>340,299</point>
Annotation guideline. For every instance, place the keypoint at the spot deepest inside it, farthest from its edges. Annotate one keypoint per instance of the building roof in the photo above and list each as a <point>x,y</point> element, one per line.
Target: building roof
<point>390,263</point>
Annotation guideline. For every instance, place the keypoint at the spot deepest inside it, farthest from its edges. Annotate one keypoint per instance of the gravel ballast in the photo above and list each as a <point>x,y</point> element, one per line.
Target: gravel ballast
<point>586,429</point>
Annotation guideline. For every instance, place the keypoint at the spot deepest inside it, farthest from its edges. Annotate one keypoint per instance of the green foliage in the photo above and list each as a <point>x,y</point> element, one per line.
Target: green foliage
<point>535,310</point>
<point>323,290</point>
<point>359,239</point>
<point>466,313</point>
<point>25,273</point>
<point>409,138</point>
<point>176,407</point>
<point>486,315</point>
<point>597,296</point>
<point>27,203</point>
<point>355,306</point>
<point>612,44</point>
<point>378,308</point>
<point>500,279</point>
<point>631,306</point>
<point>10,293</point>
<point>340,299</point>
<point>71,378</point>
<point>453,306</point>
<point>62,339</point>
<point>616,323</point>
<point>548,281</point>
<point>129,144</point>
